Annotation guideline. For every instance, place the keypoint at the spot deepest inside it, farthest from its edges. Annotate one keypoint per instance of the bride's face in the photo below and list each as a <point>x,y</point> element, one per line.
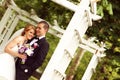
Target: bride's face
<point>30,34</point>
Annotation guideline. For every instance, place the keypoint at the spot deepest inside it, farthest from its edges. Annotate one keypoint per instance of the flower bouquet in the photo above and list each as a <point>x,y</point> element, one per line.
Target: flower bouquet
<point>25,49</point>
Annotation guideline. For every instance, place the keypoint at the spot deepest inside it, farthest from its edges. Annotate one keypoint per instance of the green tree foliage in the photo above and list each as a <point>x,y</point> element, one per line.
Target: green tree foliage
<point>2,10</point>
<point>108,69</point>
<point>104,6</point>
<point>107,30</point>
<point>47,10</point>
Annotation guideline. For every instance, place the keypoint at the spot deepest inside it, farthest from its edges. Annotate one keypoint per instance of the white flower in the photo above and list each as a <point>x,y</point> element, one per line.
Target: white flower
<point>29,52</point>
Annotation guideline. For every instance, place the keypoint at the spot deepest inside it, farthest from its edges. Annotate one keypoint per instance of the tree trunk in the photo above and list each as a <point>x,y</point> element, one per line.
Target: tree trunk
<point>75,64</point>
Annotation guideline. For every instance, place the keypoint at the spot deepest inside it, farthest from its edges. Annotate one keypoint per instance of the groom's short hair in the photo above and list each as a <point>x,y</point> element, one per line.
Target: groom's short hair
<point>46,25</point>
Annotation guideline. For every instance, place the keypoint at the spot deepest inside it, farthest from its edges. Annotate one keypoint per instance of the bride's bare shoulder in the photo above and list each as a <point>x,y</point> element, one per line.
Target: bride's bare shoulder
<point>18,38</point>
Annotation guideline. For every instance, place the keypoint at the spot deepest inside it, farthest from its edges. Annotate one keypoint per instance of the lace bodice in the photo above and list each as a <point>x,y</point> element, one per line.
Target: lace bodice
<point>15,48</point>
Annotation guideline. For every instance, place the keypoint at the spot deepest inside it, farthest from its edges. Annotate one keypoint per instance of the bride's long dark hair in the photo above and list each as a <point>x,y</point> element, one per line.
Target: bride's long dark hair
<point>27,28</point>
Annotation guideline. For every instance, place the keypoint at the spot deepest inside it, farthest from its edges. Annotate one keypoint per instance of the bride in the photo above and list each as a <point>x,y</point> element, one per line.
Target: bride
<point>7,58</point>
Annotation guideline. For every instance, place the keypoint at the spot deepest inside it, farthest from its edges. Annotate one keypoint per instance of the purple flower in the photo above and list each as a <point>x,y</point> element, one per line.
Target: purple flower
<point>22,49</point>
<point>25,49</point>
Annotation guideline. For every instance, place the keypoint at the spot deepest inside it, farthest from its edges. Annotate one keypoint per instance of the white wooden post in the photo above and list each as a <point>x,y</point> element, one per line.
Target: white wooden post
<point>91,68</point>
<point>92,64</point>
<point>11,29</point>
<point>5,19</point>
<point>67,46</point>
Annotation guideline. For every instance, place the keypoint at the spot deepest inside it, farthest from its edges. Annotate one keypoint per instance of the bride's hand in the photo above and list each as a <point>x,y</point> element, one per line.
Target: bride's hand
<point>23,56</point>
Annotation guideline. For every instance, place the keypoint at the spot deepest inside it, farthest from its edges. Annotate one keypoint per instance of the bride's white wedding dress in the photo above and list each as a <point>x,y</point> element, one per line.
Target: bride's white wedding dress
<point>7,65</point>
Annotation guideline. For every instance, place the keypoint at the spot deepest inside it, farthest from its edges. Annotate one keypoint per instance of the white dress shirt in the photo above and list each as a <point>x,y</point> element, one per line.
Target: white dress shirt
<point>35,40</point>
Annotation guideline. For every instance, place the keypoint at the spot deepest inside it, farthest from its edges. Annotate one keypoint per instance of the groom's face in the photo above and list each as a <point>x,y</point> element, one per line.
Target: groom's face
<point>40,31</point>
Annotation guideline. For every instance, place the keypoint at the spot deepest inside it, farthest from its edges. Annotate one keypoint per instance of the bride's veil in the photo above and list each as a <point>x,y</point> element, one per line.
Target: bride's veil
<point>17,33</point>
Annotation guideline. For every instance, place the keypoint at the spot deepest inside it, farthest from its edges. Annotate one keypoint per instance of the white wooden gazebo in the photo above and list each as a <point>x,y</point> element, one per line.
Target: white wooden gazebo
<point>72,38</point>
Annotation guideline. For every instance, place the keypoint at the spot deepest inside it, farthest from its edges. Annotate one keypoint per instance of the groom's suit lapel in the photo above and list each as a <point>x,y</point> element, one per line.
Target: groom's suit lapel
<point>39,42</point>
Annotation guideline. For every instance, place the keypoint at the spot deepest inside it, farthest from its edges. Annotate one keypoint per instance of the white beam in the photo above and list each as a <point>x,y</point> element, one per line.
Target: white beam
<point>91,68</point>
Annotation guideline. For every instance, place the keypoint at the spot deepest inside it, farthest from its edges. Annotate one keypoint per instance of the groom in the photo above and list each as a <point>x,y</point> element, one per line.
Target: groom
<point>41,47</point>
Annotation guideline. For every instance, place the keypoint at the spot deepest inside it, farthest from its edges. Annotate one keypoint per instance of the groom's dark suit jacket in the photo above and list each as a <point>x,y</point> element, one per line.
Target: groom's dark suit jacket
<point>24,71</point>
